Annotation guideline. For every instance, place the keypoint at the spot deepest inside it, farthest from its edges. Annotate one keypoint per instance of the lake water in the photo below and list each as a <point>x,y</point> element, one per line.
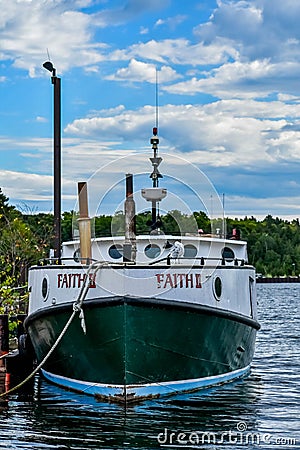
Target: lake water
<point>262,411</point>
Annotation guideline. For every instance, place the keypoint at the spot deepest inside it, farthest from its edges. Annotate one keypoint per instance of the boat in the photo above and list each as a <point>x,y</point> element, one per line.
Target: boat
<point>136,317</point>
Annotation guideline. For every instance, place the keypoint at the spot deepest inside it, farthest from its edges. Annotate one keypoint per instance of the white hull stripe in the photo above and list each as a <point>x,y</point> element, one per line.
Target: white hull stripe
<point>144,390</point>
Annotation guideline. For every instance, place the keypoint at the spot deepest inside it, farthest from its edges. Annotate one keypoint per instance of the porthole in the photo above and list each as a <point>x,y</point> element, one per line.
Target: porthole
<point>228,254</point>
<point>217,288</point>
<point>190,251</point>
<point>76,255</point>
<point>152,251</point>
<point>45,288</point>
<point>116,251</point>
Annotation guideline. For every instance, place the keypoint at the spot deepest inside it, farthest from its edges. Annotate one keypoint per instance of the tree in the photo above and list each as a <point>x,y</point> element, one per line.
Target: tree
<point>19,248</point>
<point>41,226</point>
<point>7,212</point>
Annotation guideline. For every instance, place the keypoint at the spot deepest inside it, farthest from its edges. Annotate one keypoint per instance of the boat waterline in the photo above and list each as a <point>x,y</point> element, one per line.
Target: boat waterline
<point>143,391</point>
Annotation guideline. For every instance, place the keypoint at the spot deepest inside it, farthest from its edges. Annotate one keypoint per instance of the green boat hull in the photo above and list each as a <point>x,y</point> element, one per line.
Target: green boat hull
<point>136,342</point>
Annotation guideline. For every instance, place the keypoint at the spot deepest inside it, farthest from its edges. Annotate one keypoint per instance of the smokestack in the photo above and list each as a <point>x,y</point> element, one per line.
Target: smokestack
<point>84,223</point>
<point>129,248</point>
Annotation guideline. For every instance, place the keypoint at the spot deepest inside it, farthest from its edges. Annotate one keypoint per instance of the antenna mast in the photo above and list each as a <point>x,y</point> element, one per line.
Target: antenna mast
<point>156,98</point>
<point>154,141</point>
<point>155,194</point>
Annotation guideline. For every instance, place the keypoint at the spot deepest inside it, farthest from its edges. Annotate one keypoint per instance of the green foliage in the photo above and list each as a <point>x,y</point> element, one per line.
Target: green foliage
<point>41,227</point>
<point>23,241</point>
<point>273,244</point>
<point>6,212</point>
<point>103,226</point>
<point>66,226</point>
<point>143,221</point>
<point>203,222</point>
<point>18,248</point>
<point>12,300</point>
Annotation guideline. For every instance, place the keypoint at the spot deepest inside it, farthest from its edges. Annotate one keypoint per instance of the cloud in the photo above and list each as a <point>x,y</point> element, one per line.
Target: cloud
<point>250,46</point>
<point>258,29</point>
<point>41,119</point>
<point>242,146</point>
<point>125,126</point>
<point>29,186</point>
<point>28,29</point>
<point>178,51</point>
<point>144,30</point>
<point>140,71</point>
<point>171,22</point>
<point>221,134</point>
<point>232,20</point>
<point>129,11</point>
<point>241,206</point>
<point>252,79</point>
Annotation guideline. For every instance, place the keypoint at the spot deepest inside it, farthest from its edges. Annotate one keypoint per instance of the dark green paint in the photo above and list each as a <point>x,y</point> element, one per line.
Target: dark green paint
<point>135,343</point>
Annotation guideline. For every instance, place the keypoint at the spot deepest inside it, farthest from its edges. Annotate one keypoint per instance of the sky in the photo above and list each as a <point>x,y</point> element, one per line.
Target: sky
<point>228,93</point>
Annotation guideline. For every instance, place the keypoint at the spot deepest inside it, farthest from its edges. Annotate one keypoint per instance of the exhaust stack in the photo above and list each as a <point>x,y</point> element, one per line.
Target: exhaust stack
<point>84,223</point>
<point>129,248</point>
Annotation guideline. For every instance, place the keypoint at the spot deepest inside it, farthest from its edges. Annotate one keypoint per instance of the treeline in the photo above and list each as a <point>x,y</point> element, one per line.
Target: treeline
<point>273,243</point>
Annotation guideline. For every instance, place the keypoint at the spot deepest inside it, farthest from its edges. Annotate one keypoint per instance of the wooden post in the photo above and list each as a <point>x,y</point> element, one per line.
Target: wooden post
<point>4,334</point>
<point>4,337</point>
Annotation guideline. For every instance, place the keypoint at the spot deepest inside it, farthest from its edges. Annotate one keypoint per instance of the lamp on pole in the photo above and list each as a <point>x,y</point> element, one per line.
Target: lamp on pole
<point>56,158</point>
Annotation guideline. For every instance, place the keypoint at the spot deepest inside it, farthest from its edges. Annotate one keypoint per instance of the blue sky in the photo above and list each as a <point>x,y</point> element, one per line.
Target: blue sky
<point>229,100</point>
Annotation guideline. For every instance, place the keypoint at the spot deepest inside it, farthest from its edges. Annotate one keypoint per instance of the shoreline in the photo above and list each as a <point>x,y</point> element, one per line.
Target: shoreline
<point>278,279</point>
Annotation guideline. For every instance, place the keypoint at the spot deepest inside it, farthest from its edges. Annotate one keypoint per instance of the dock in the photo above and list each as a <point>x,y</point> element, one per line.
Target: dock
<point>16,359</point>
<point>2,379</point>
<point>3,383</point>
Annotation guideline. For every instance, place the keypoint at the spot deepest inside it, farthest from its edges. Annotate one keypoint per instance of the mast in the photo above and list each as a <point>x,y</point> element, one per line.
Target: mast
<point>154,141</point>
<point>155,175</point>
<point>155,194</point>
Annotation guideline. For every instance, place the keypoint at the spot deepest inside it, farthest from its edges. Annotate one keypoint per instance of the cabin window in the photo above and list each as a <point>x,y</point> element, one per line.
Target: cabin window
<point>228,254</point>
<point>115,251</point>
<point>217,287</point>
<point>190,251</point>
<point>152,251</point>
<point>45,288</point>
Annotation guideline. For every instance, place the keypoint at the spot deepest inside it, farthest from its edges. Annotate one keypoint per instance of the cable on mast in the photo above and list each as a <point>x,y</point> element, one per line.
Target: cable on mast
<point>156,98</point>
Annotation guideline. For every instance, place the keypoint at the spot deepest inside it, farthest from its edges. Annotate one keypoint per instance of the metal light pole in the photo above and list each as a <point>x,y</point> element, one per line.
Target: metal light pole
<point>56,158</point>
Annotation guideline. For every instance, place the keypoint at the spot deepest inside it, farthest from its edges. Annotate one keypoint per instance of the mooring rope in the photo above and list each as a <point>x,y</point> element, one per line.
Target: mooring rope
<point>76,308</point>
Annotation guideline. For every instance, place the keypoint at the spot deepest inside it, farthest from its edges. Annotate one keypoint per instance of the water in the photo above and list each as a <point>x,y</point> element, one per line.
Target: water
<point>261,411</point>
